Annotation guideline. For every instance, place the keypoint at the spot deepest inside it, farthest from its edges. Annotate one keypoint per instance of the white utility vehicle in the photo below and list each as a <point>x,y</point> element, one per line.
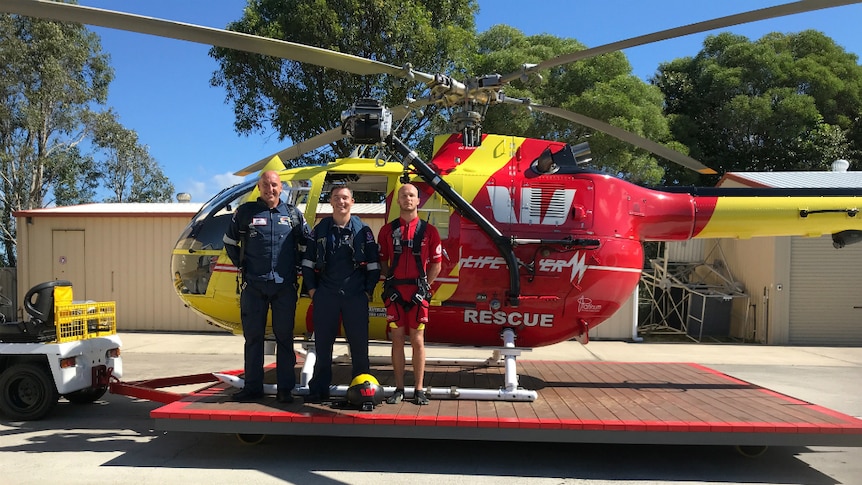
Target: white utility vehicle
<point>66,348</point>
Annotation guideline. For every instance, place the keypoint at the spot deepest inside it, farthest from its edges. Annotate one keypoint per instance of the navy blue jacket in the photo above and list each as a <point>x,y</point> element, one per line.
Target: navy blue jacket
<point>266,244</point>
<point>342,259</point>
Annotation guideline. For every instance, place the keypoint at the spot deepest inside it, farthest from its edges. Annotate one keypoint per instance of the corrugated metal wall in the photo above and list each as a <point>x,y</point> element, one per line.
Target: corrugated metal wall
<point>619,326</point>
<point>825,293</point>
<point>127,260</point>
<point>690,251</point>
<point>758,264</point>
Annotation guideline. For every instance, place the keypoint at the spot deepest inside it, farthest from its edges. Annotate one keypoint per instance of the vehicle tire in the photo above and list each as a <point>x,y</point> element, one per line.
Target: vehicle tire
<point>250,439</point>
<point>86,396</point>
<point>751,451</point>
<point>27,392</point>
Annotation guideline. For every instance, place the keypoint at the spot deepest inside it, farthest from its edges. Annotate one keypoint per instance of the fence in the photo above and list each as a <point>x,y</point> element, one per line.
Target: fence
<point>9,293</point>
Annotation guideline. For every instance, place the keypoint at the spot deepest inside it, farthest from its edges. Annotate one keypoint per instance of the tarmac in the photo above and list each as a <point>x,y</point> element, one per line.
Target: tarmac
<point>113,440</point>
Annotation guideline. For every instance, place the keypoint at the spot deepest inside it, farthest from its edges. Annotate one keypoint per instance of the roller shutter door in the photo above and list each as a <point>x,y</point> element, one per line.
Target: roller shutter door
<point>825,293</point>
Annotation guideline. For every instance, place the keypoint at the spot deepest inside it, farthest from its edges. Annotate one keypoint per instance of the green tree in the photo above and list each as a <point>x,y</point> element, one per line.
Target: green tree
<point>784,102</point>
<point>601,87</point>
<point>77,178</point>
<point>128,170</point>
<point>50,74</point>
<point>53,77</point>
<point>302,100</point>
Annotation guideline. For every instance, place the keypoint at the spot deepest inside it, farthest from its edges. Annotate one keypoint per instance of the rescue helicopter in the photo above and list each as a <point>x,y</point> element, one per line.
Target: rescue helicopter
<point>538,248</point>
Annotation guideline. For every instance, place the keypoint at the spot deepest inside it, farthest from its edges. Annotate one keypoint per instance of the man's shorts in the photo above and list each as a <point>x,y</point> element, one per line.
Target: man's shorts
<point>414,317</point>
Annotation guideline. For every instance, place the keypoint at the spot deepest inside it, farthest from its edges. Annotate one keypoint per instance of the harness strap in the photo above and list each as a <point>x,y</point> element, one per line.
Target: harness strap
<point>414,244</point>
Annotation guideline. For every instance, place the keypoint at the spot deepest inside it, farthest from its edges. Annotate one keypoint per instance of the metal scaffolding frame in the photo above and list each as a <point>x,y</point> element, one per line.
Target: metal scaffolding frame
<point>678,293</point>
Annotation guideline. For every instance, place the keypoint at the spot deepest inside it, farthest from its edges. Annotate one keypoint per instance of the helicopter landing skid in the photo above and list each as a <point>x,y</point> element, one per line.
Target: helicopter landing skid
<point>510,392</point>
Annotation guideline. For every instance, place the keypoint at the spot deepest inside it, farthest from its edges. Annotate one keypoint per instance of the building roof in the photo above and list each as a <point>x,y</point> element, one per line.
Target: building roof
<point>187,209</point>
<point>112,210</point>
<point>793,180</point>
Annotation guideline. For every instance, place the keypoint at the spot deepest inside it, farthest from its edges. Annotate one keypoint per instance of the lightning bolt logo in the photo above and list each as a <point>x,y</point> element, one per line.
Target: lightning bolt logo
<point>577,263</point>
<point>578,266</point>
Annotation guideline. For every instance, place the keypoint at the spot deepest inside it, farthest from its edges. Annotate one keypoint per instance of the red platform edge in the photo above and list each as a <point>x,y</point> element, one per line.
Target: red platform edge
<point>182,409</point>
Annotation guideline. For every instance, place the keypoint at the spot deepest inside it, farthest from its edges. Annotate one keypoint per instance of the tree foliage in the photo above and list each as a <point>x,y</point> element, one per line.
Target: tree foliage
<point>784,102</point>
<point>601,87</point>
<point>52,78</point>
<point>302,100</point>
<point>128,170</point>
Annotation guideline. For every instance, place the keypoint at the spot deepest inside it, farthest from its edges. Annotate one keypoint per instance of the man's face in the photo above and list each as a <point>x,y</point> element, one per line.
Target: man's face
<point>270,189</point>
<point>408,198</point>
<point>341,201</point>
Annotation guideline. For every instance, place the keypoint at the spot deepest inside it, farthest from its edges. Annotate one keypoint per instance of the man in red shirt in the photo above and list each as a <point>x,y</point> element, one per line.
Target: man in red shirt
<point>410,259</point>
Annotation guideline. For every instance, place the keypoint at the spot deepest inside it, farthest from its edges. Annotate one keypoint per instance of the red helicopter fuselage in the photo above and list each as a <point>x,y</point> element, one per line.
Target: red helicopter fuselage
<point>531,241</point>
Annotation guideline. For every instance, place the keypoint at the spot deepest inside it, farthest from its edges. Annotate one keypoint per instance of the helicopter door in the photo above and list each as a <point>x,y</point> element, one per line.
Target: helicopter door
<point>68,258</point>
<point>503,205</point>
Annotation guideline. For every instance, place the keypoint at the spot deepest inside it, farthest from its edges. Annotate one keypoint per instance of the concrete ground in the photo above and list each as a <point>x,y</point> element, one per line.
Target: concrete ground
<point>112,441</point>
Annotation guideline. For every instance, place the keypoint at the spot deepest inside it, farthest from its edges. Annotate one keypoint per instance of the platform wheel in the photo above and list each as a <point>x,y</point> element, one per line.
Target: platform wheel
<point>250,439</point>
<point>27,392</point>
<point>86,396</point>
<point>751,451</point>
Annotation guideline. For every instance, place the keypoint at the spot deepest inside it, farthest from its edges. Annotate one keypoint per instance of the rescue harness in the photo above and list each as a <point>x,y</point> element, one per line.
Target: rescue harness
<point>399,243</point>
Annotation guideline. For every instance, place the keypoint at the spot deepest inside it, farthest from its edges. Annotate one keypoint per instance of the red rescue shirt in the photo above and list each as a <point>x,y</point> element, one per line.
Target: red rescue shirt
<point>432,250</point>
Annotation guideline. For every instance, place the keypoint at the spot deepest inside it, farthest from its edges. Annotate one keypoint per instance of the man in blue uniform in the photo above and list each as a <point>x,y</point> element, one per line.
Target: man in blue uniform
<point>265,240</point>
<point>340,270</point>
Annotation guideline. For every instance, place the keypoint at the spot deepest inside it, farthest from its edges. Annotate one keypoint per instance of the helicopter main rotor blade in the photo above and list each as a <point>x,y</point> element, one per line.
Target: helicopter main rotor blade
<point>627,136</point>
<point>296,151</point>
<point>730,20</point>
<point>65,12</point>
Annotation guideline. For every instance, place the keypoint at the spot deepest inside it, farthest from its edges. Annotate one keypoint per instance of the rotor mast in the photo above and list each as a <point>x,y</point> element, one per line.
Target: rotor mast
<point>368,122</point>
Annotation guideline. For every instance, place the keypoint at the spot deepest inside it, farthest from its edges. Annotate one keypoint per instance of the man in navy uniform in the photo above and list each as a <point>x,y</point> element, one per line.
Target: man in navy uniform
<point>265,240</point>
<point>340,270</point>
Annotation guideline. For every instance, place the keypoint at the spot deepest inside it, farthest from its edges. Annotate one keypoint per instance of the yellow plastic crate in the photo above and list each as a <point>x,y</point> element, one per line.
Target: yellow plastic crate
<point>79,321</point>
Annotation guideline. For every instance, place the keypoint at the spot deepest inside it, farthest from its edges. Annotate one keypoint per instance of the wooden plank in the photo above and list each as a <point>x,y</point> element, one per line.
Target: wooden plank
<point>593,397</point>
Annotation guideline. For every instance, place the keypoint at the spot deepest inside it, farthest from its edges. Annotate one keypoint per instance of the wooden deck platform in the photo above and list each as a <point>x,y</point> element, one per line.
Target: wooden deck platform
<point>585,402</point>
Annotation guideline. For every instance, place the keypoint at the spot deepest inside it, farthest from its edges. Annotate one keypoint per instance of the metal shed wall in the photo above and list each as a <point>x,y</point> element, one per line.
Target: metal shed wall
<point>760,265</point>
<point>125,259</point>
<point>620,325</point>
<point>806,291</point>
<point>825,293</point>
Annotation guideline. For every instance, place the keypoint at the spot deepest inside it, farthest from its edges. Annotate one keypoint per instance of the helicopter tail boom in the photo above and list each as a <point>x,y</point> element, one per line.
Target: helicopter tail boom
<point>745,217</point>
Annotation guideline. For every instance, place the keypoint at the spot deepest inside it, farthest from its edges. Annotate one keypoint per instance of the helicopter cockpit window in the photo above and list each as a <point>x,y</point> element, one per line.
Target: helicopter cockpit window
<point>369,194</point>
<point>206,230</point>
<point>202,242</point>
<point>295,192</point>
<point>367,189</point>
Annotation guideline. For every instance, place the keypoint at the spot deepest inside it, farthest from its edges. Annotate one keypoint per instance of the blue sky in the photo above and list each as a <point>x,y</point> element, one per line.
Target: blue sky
<point>161,87</point>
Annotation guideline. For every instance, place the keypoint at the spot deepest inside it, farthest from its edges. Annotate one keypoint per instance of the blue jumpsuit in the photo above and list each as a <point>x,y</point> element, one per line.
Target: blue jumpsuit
<point>341,265</point>
<point>266,245</point>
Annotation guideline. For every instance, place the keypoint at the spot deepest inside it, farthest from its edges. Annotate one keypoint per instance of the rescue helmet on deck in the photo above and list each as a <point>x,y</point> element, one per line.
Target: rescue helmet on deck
<point>364,392</point>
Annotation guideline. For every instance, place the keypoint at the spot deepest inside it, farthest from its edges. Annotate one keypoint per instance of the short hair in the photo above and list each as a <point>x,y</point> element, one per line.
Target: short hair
<point>339,187</point>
